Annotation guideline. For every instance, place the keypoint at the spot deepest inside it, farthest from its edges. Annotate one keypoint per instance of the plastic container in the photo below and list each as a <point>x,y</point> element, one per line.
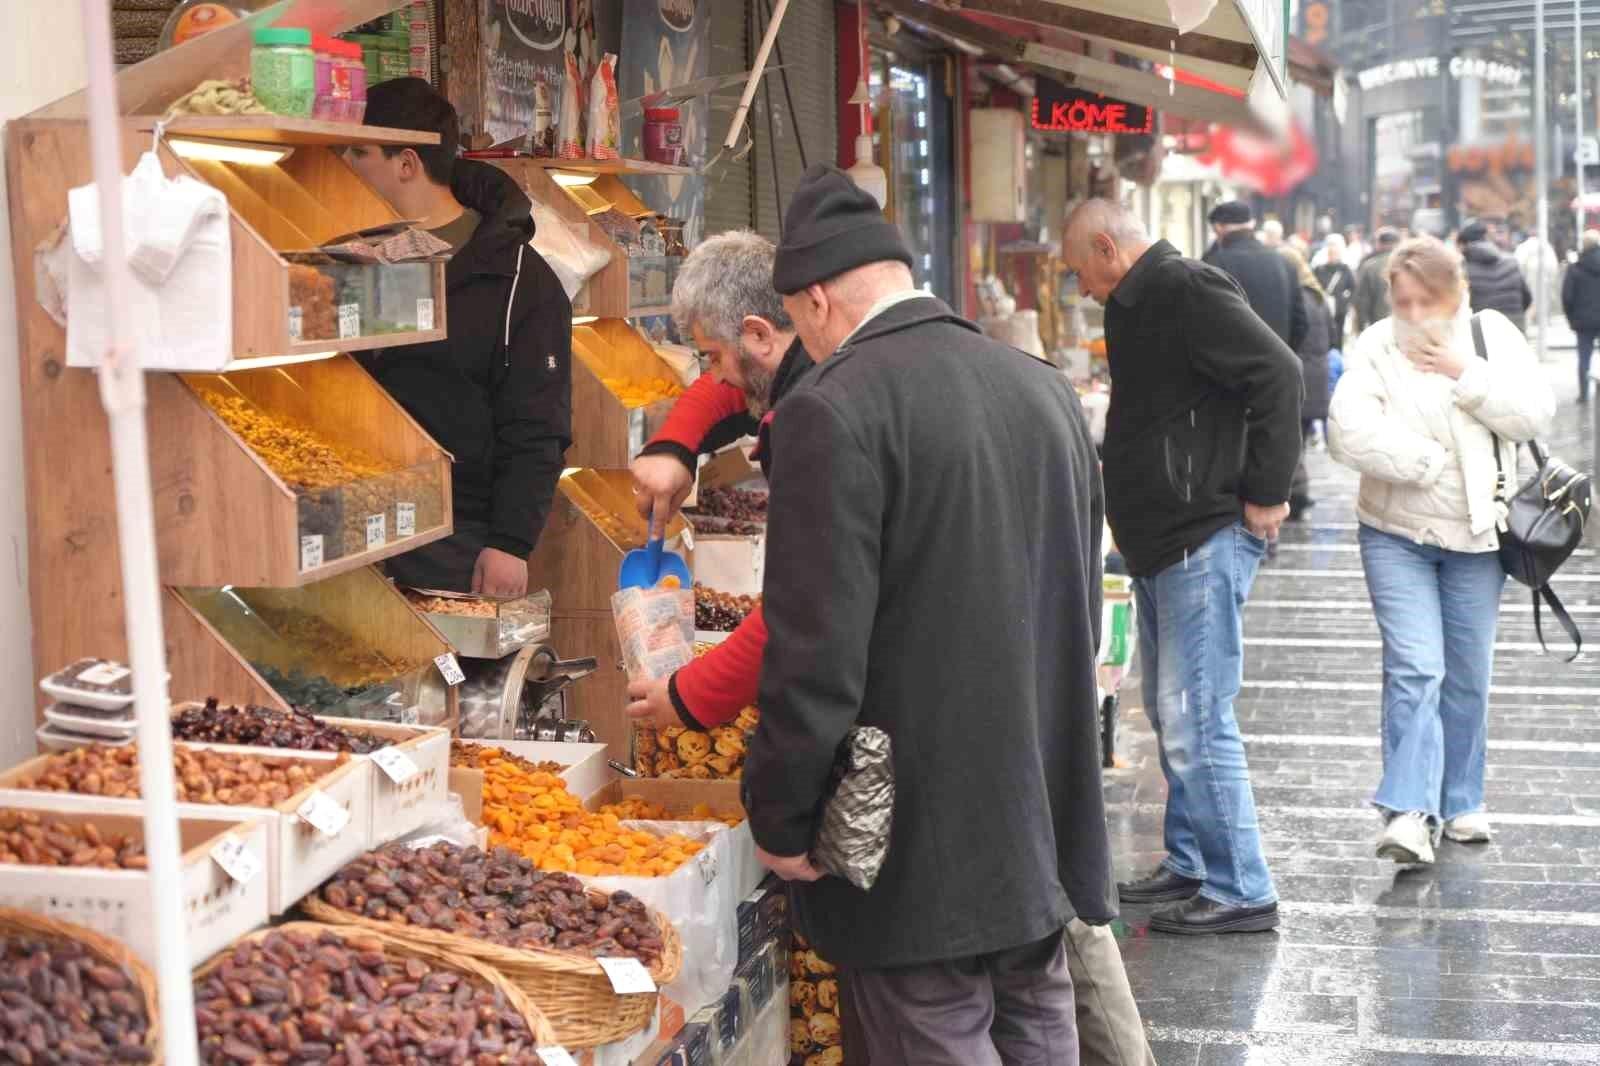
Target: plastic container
<point>350,78</point>
<point>195,18</point>
<point>52,737</point>
<point>325,104</point>
<point>98,683</point>
<point>663,136</point>
<point>115,725</point>
<point>283,70</point>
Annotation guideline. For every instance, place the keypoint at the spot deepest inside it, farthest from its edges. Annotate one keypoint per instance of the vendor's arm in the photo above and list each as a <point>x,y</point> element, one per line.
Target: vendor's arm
<point>708,415</point>
<point>712,690</point>
<point>820,601</point>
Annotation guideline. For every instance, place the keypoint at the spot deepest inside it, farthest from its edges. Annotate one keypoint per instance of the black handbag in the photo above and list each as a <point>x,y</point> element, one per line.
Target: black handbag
<point>1543,526</point>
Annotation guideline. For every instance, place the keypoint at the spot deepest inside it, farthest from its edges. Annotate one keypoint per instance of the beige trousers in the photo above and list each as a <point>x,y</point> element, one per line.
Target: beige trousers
<point>1109,1030</point>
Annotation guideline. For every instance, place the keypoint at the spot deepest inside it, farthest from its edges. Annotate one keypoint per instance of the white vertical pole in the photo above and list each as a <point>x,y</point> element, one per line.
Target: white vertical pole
<point>1542,175</point>
<point>122,392</point>
<point>1577,106</point>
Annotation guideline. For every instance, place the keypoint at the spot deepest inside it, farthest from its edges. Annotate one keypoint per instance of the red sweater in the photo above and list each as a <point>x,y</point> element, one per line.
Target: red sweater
<point>698,411</point>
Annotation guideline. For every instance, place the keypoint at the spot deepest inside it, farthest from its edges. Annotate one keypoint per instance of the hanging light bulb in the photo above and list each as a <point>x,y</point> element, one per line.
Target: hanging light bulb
<point>865,172</point>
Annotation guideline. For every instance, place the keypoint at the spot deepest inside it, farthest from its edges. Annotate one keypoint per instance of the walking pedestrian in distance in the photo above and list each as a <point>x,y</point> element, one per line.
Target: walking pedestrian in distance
<point>1269,282</point>
<point>1580,302</point>
<point>933,570</point>
<point>1417,413</point>
<point>1494,280</point>
<point>1371,302</point>
<point>1313,353</point>
<point>1201,443</point>
<point>1338,281</point>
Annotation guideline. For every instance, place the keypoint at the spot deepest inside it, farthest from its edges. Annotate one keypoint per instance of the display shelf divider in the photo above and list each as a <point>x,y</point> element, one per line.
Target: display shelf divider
<point>288,131</point>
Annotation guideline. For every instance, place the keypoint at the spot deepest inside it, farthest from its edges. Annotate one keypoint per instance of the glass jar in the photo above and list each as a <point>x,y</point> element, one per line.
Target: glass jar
<point>327,103</point>
<point>663,136</point>
<point>283,70</point>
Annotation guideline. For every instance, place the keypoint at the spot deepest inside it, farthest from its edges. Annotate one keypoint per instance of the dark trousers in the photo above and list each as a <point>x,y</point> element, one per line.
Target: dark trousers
<point>1586,340</point>
<point>1006,1008</point>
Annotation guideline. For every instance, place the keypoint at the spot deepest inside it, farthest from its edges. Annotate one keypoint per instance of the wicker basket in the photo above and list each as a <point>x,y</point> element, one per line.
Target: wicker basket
<point>572,990</point>
<point>102,947</point>
<point>538,1024</point>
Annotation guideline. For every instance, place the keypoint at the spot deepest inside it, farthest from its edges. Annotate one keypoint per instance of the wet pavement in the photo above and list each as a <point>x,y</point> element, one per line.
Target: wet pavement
<point>1492,956</point>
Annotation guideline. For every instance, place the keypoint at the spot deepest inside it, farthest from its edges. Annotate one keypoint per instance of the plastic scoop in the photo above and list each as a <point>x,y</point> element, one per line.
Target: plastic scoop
<point>644,568</point>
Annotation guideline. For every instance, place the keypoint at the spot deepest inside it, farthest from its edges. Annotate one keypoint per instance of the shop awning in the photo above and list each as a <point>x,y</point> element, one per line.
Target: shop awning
<point>1190,91</point>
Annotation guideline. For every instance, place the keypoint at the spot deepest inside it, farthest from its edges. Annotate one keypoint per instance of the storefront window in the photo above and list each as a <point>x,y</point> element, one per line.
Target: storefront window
<point>913,145</point>
<point>1406,169</point>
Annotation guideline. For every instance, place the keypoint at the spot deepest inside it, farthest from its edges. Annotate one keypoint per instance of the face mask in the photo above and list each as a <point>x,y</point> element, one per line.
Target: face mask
<point>1409,336</point>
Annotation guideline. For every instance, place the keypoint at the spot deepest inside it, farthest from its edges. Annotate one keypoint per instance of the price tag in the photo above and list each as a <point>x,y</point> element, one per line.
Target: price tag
<point>405,519</point>
<point>296,324</point>
<point>396,763</point>
<point>104,674</point>
<point>324,813</point>
<point>311,551</point>
<point>349,321</point>
<point>424,314</point>
<point>688,537</point>
<point>628,976</point>
<point>556,1056</point>
<point>450,669</point>
<point>376,537</point>
<point>237,860</point>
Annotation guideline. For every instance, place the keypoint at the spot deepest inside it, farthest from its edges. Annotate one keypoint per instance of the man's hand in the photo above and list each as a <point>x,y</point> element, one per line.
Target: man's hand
<point>790,867</point>
<point>499,574</point>
<point>652,704</point>
<point>660,483</point>
<point>1265,522</point>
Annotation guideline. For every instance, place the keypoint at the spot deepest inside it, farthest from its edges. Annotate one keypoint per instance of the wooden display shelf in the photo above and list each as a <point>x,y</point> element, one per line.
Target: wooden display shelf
<point>639,167</point>
<point>606,433</point>
<point>285,130</point>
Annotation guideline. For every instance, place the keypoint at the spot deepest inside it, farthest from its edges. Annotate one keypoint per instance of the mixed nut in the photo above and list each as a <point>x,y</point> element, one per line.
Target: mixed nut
<point>27,838</point>
<point>268,727</point>
<point>496,896</point>
<point>62,1004</point>
<point>203,776</point>
<point>301,997</point>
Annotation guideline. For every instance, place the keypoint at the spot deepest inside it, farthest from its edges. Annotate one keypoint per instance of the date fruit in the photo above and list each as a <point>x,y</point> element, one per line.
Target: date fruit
<point>59,1003</point>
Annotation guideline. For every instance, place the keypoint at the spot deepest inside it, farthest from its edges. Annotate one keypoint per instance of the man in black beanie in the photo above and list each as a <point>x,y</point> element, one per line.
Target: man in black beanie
<point>933,570</point>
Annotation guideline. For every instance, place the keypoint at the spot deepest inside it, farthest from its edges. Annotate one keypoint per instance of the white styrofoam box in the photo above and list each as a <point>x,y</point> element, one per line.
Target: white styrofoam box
<point>398,809</point>
<point>730,563</point>
<point>586,771</point>
<point>299,857</point>
<point>217,909</point>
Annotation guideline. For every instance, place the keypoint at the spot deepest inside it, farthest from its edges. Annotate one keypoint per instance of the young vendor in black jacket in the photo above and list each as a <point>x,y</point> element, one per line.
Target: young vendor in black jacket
<point>497,394</point>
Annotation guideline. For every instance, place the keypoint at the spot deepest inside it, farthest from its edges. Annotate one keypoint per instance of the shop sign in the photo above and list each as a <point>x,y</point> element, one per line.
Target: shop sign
<point>540,24</point>
<point>1060,109</point>
<point>678,14</point>
<point>1429,67</point>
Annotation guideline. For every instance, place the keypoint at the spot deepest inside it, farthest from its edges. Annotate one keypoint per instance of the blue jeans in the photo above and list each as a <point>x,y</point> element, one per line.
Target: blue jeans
<point>1438,611</point>
<point>1191,648</point>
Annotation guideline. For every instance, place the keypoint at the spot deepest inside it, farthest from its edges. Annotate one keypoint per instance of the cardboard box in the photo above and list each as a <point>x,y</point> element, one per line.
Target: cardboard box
<point>299,857</point>
<point>731,563</point>
<point>729,467</point>
<point>586,770</point>
<point>217,909</point>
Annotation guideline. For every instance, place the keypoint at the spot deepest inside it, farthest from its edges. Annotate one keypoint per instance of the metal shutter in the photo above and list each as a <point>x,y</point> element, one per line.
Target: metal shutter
<point>742,194</point>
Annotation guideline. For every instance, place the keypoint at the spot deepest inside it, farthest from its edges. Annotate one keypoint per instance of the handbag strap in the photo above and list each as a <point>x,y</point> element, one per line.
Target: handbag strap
<point>1501,486</point>
<point>1549,595</point>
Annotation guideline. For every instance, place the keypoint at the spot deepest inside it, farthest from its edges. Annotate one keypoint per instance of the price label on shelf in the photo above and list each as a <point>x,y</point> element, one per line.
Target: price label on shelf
<point>450,669</point>
<point>311,551</point>
<point>296,324</point>
<point>405,519</point>
<point>396,763</point>
<point>349,321</point>
<point>424,314</point>
<point>324,813</point>
<point>628,976</point>
<point>376,536</point>
<point>237,860</point>
<point>104,674</point>
<point>556,1056</point>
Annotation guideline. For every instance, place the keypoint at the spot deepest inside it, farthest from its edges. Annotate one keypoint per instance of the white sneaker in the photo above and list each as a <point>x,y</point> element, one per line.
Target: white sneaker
<point>1407,839</point>
<point>1469,828</point>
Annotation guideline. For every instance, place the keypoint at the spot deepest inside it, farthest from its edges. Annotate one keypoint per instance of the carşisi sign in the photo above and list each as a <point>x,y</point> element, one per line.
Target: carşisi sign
<point>539,24</point>
<point>1059,109</point>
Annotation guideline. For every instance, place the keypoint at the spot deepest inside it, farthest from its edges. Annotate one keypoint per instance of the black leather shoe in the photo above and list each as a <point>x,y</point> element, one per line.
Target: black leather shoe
<point>1163,886</point>
<point>1199,915</point>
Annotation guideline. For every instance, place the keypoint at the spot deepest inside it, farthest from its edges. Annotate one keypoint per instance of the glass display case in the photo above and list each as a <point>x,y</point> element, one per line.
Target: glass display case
<point>334,300</point>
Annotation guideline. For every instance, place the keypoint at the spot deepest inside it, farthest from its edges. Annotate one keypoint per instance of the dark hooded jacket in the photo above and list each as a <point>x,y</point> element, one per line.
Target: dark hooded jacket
<point>497,393</point>
<point>1268,280</point>
<point>1496,282</point>
<point>952,599</point>
<point>1580,292</point>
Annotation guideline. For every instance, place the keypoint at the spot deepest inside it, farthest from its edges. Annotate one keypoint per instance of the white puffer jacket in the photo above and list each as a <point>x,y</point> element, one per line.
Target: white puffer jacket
<point>1423,443</point>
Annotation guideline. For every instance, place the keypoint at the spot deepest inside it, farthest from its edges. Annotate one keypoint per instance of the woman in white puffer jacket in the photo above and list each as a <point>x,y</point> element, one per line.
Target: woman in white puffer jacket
<point>1416,413</point>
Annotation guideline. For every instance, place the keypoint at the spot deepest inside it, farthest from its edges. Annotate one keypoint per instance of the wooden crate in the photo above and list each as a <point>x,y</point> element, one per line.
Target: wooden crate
<point>607,432</point>
<point>592,525</point>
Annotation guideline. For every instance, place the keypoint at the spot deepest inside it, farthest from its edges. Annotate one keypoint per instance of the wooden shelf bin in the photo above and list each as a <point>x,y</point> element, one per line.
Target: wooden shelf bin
<point>608,430</point>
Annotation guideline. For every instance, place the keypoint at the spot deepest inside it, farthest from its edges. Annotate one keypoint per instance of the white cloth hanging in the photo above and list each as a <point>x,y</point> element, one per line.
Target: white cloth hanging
<point>180,258</point>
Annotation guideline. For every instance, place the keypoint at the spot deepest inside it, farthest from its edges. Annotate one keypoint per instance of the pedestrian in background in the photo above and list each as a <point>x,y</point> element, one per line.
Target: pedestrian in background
<point>1371,303</point>
<point>1494,279</point>
<point>1338,281</point>
<point>1201,443</point>
<point>1417,413</point>
<point>1268,281</point>
<point>1580,302</point>
<point>1313,353</point>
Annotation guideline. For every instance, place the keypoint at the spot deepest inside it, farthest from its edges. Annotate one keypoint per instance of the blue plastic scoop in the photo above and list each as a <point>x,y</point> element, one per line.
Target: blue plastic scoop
<point>643,568</point>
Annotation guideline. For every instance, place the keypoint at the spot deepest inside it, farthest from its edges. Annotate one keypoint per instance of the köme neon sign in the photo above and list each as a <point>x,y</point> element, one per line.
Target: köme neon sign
<point>1059,109</point>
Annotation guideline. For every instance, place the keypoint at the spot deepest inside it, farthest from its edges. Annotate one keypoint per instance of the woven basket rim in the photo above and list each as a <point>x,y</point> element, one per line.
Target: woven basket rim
<point>107,949</point>
<point>538,1025</point>
<point>664,971</point>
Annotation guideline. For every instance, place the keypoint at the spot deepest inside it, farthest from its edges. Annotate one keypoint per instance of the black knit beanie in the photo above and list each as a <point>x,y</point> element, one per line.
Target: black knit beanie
<point>832,226</point>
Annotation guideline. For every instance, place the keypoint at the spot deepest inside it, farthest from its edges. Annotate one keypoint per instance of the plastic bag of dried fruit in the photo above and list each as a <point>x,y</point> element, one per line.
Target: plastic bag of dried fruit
<point>656,629</point>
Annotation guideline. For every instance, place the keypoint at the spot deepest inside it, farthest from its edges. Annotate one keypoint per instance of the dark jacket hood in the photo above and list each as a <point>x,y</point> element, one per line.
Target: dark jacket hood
<point>1482,252</point>
<point>507,221</point>
<point>1589,262</point>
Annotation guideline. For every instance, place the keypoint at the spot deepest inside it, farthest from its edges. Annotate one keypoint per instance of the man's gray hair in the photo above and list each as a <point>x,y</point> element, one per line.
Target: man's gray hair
<point>1100,215</point>
<point>724,279</point>
<point>1591,238</point>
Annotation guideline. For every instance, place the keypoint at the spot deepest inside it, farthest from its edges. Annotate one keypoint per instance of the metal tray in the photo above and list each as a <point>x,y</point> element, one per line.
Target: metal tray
<point>515,624</point>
